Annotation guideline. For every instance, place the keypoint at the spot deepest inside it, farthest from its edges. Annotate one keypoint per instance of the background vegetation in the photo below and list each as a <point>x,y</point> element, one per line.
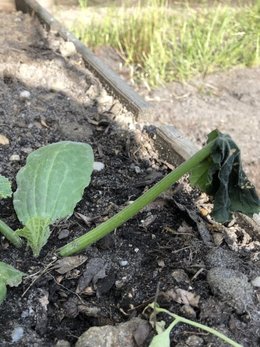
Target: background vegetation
<point>163,41</point>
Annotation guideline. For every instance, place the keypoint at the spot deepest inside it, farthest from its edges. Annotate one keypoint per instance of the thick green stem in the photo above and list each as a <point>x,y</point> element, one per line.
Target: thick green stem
<point>10,234</point>
<point>131,210</point>
<point>179,319</point>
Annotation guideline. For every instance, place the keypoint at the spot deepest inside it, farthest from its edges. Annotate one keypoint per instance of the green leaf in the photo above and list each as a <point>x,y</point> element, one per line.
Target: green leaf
<point>8,276</point>
<point>49,186</point>
<point>36,232</point>
<point>5,187</point>
<point>162,339</point>
<point>222,176</point>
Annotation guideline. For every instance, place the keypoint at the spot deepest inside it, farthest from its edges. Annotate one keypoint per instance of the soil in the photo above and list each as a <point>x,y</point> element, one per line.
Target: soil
<point>170,248</point>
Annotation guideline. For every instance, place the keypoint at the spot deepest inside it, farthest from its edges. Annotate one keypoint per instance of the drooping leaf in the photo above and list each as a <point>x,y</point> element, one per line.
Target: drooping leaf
<point>8,276</point>
<point>49,186</point>
<point>222,176</point>
<point>5,187</point>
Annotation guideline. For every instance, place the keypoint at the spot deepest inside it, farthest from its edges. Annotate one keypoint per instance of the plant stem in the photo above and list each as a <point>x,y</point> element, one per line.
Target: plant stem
<point>131,210</point>
<point>10,235</point>
<point>212,331</point>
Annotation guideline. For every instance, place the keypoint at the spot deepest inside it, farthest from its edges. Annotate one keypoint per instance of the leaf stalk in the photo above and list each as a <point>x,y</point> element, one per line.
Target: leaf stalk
<point>131,210</point>
<point>10,235</point>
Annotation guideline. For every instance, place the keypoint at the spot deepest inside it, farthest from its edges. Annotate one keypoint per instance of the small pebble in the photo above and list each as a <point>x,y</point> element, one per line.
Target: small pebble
<point>63,234</point>
<point>161,263</point>
<point>256,218</point>
<point>194,341</point>
<point>27,150</point>
<point>62,343</point>
<point>67,49</point>
<point>180,276</point>
<point>4,140</point>
<point>137,169</point>
<point>24,95</point>
<point>136,250</point>
<point>256,282</point>
<point>17,334</point>
<point>15,157</point>
<point>123,263</point>
<point>98,166</point>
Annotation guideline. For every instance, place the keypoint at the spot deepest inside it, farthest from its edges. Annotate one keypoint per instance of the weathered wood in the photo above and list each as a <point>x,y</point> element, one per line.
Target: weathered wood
<point>110,80</point>
<point>173,146</point>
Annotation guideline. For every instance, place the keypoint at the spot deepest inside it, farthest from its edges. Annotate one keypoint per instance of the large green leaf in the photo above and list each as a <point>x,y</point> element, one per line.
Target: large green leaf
<point>8,276</point>
<point>222,176</point>
<point>5,187</point>
<point>49,187</point>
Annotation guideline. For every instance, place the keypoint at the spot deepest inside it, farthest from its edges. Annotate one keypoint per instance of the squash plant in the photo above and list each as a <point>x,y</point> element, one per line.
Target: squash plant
<point>216,169</point>
<point>55,176</point>
<point>48,189</point>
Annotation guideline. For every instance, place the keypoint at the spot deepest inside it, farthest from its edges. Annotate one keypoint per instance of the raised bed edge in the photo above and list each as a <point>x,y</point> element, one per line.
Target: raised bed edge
<point>172,145</point>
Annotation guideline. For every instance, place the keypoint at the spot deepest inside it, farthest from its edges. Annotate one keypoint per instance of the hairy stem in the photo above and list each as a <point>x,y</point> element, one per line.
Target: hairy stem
<point>10,235</point>
<point>131,210</point>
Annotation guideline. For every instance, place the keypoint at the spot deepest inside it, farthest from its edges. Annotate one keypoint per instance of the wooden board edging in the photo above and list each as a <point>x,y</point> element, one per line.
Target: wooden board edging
<point>173,146</point>
<point>171,143</point>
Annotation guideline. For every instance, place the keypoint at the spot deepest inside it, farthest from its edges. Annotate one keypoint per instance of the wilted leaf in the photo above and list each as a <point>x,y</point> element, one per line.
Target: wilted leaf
<point>67,264</point>
<point>49,187</point>
<point>221,175</point>
<point>183,297</point>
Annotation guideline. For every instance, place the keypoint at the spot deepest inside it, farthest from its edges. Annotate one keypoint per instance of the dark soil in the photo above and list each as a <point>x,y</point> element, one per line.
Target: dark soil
<point>167,246</point>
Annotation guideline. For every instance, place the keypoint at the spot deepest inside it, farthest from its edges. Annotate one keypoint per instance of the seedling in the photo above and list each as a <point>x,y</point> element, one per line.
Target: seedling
<point>48,189</point>
<point>216,169</point>
<point>54,178</point>
<point>162,339</point>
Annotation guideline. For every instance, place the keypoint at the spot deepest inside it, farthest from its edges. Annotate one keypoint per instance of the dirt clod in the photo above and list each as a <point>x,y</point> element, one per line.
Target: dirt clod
<point>231,286</point>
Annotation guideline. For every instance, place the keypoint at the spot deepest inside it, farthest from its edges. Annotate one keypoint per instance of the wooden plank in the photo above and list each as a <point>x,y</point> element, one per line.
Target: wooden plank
<point>110,80</point>
<point>173,146</point>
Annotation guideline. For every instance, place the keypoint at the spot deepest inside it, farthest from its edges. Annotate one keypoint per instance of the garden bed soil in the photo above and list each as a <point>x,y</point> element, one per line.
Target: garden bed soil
<point>169,248</point>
